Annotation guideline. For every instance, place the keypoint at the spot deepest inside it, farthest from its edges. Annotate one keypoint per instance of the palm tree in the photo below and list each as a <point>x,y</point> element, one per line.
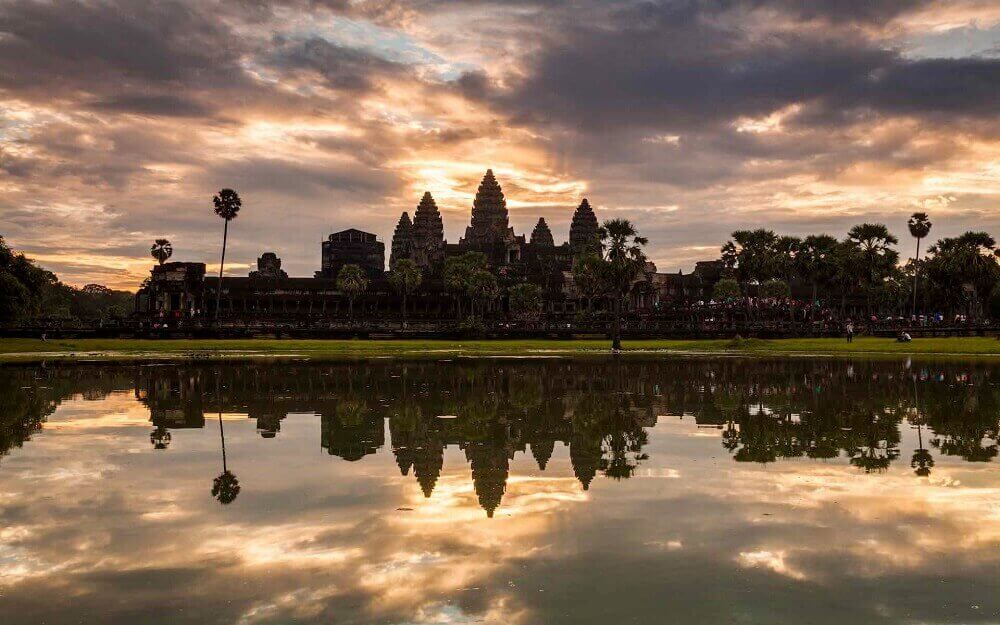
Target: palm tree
<point>458,271</point>
<point>754,254</point>
<point>624,262</point>
<point>405,277</point>
<point>227,205</point>
<point>920,226</point>
<point>161,250</point>
<point>873,242</point>
<point>587,278</point>
<point>483,288</point>
<point>816,262</point>
<point>966,264</point>
<point>352,280</point>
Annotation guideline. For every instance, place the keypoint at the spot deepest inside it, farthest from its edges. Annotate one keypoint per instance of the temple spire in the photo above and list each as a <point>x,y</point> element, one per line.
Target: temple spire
<point>489,212</point>
<point>402,240</point>
<point>428,232</point>
<point>541,235</point>
<point>583,236</point>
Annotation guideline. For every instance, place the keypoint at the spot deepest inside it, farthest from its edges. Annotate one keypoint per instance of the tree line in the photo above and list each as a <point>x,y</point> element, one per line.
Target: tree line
<point>29,293</point>
<point>957,274</point>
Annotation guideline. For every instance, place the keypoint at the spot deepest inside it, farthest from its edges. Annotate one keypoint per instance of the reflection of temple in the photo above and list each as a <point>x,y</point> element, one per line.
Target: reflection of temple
<point>764,410</point>
<point>350,434</point>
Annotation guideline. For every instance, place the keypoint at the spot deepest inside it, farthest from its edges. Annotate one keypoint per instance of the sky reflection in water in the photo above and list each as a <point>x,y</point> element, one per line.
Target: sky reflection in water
<point>708,491</point>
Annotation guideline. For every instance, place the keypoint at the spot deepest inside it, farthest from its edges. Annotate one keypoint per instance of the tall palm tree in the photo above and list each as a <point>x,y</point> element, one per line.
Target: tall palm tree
<point>920,226</point>
<point>816,263</point>
<point>227,205</point>
<point>877,257</point>
<point>624,262</point>
<point>405,277</point>
<point>161,250</point>
<point>352,280</point>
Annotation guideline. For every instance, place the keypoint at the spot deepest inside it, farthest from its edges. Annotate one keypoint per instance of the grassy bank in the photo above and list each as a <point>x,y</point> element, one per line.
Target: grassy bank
<point>31,350</point>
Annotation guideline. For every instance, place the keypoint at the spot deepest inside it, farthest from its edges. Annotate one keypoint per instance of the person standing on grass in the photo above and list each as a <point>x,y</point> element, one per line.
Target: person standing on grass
<point>850,331</point>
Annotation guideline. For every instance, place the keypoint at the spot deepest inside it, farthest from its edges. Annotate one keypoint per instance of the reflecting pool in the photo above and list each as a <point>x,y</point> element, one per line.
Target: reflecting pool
<point>799,491</point>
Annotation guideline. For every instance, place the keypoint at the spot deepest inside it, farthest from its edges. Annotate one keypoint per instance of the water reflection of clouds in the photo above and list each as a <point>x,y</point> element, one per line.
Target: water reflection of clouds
<point>314,538</point>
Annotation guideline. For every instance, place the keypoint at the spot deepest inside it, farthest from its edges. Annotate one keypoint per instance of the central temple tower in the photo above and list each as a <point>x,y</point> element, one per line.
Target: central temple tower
<point>489,215</point>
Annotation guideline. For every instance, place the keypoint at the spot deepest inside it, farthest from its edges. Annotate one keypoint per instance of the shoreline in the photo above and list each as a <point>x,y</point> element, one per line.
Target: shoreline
<point>32,351</point>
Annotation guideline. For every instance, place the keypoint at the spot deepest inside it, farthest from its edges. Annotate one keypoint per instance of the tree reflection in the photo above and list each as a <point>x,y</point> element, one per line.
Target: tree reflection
<point>225,487</point>
<point>601,410</point>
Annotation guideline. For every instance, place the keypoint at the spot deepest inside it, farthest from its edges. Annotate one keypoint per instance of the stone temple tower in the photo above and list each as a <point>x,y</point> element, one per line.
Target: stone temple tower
<point>402,240</point>
<point>489,215</point>
<point>428,233</point>
<point>541,235</point>
<point>583,235</point>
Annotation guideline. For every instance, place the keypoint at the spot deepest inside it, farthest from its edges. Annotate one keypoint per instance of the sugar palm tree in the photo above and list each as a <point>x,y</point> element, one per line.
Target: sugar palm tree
<point>227,205</point>
<point>816,262</point>
<point>877,257</point>
<point>161,250</point>
<point>405,277</point>
<point>920,227</point>
<point>352,280</point>
<point>483,288</point>
<point>624,262</point>
<point>966,265</point>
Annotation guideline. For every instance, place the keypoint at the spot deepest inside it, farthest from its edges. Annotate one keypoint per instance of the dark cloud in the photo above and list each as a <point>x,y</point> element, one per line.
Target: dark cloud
<point>263,175</point>
<point>159,105</point>
<point>340,67</point>
<point>675,67</point>
<point>101,46</point>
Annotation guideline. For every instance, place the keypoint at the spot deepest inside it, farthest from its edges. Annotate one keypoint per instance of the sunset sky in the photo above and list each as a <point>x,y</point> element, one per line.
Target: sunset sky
<point>120,119</point>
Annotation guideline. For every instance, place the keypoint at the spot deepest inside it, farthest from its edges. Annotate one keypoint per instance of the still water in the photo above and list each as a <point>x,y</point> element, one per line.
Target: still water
<point>501,491</point>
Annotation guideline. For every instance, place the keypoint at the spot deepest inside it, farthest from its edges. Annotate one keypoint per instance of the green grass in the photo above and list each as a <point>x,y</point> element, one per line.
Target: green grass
<point>33,350</point>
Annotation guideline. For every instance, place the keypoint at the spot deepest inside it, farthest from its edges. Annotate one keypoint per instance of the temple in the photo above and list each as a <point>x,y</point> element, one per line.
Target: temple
<point>178,294</point>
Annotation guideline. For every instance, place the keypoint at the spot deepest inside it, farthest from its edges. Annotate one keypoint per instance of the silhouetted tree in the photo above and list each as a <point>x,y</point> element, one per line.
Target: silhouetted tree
<point>405,277</point>
<point>587,279</point>
<point>352,281</point>
<point>161,250</point>
<point>726,289</point>
<point>227,206</point>
<point>876,256</point>
<point>920,226</point>
<point>624,263</point>
<point>816,263</point>
<point>525,300</point>
<point>458,272</point>
<point>964,268</point>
